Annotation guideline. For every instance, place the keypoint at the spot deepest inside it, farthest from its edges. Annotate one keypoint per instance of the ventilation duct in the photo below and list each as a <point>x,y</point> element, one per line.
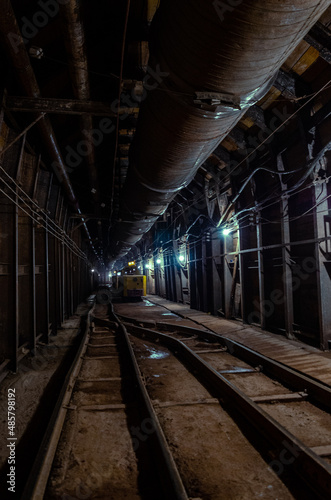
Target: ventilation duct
<point>212,62</point>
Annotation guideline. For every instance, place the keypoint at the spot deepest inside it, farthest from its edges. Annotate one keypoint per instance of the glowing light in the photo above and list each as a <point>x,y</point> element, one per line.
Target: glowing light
<point>158,261</point>
<point>226,231</point>
<point>181,258</point>
<point>147,266</point>
<point>119,273</point>
<point>92,270</point>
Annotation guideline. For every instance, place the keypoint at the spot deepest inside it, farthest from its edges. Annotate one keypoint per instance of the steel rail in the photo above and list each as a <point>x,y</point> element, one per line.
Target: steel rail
<point>173,488</point>
<point>315,472</point>
<point>37,481</point>
<point>168,473</point>
<point>317,390</point>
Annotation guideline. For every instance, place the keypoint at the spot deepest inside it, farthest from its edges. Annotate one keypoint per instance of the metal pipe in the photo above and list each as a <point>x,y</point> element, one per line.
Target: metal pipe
<point>212,62</point>
<point>74,39</point>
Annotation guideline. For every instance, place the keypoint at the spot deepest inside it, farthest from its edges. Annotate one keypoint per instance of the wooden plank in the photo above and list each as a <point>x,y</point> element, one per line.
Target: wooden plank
<point>101,345</point>
<point>97,358</point>
<point>208,351</point>
<point>286,398</point>
<point>92,380</point>
<point>102,407</point>
<point>322,451</point>
<point>168,404</point>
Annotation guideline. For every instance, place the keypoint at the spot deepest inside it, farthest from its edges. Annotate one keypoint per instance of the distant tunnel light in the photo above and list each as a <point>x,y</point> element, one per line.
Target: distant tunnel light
<point>147,266</point>
<point>158,261</point>
<point>92,270</point>
<point>226,231</point>
<point>119,273</point>
<point>181,258</point>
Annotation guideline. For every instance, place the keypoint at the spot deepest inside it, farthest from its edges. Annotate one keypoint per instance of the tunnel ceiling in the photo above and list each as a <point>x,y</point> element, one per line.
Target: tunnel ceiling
<point>81,66</point>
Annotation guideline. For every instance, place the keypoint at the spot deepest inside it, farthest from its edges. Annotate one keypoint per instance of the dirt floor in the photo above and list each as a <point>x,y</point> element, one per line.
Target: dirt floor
<point>31,383</point>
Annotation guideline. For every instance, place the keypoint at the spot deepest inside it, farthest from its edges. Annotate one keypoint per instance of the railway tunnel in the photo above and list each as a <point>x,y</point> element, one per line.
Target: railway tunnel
<point>165,249</point>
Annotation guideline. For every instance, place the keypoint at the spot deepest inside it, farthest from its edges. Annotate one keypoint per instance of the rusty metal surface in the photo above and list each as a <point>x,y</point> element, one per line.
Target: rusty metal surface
<point>197,47</point>
<point>25,75</point>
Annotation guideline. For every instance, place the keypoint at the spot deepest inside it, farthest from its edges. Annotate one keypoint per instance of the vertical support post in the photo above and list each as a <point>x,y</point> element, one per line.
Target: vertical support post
<point>261,272</point>
<point>227,280</point>
<point>33,283</point>
<point>287,272</point>
<point>15,273</point>
<point>216,266</point>
<point>322,230</point>
<point>62,282</point>
<point>204,294</point>
<point>71,283</point>
<point>241,257</point>
<point>46,334</point>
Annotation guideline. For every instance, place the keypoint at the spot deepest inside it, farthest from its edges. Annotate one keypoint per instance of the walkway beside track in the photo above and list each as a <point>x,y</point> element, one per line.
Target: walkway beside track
<point>295,354</point>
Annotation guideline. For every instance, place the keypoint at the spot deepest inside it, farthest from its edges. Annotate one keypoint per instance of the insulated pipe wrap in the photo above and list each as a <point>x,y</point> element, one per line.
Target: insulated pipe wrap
<point>202,46</point>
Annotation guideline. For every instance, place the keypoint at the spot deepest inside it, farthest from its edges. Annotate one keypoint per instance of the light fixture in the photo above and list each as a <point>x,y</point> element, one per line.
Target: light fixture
<point>181,258</point>
<point>92,270</point>
<point>147,266</point>
<point>226,231</point>
<point>119,273</point>
<point>158,261</point>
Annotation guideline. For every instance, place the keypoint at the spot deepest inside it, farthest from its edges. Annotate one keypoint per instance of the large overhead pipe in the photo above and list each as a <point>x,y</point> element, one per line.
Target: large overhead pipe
<point>74,38</point>
<point>213,59</point>
<point>15,49</point>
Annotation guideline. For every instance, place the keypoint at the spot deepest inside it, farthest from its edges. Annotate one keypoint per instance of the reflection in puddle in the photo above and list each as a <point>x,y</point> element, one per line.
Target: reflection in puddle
<point>168,314</point>
<point>155,354</point>
<point>157,376</point>
<point>148,303</point>
<point>238,369</point>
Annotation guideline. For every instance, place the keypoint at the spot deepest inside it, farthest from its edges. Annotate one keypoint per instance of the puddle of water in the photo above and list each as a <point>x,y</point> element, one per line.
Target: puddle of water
<point>157,376</point>
<point>155,354</point>
<point>168,314</point>
<point>239,369</point>
<point>148,303</point>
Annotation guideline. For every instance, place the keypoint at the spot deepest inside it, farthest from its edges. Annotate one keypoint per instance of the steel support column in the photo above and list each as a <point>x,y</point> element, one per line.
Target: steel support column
<point>33,288</point>
<point>14,365</point>
<point>323,264</point>
<point>287,272</point>
<point>261,273</point>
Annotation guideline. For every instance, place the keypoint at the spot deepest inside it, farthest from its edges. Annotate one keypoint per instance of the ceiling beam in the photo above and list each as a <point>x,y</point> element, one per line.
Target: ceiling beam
<point>319,37</point>
<point>65,106</point>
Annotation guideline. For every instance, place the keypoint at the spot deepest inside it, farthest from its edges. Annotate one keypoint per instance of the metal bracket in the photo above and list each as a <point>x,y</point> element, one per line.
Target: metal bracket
<point>213,100</point>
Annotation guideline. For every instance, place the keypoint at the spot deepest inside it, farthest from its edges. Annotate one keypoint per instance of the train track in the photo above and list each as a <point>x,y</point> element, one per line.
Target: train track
<point>224,367</point>
<point>92,448</point>
<point>113,434</point>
